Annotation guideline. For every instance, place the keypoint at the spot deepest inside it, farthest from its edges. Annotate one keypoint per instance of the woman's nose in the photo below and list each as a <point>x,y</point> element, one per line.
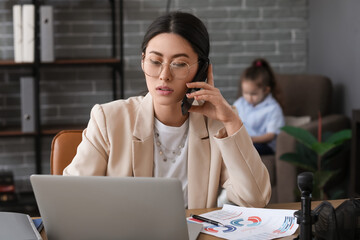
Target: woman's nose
<point>165,73</point>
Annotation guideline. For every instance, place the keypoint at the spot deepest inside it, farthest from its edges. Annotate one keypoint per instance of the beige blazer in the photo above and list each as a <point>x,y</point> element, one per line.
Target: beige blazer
<point>118,141</point>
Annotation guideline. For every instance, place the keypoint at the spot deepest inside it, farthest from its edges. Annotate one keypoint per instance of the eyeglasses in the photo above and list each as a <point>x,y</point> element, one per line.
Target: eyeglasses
<point>178,69</point>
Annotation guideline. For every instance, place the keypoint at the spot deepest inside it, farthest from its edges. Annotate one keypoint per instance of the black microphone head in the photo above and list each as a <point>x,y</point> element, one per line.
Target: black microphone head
<point>305,181</point>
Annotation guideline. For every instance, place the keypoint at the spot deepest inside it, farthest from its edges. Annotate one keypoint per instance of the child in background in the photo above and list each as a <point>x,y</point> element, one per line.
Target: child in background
<point>259,106</point>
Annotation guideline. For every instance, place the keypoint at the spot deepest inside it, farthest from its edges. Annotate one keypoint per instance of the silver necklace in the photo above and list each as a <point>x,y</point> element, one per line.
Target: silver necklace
<point>169,154</point>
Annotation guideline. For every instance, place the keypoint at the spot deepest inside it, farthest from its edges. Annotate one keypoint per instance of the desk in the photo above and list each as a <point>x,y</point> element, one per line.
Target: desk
<point>294,206</point>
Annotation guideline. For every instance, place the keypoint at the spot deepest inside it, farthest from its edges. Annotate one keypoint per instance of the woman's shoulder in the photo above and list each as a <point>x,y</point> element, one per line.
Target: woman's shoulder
<point>120,109</point>
<point>119,114</point>
<point>122,104</point>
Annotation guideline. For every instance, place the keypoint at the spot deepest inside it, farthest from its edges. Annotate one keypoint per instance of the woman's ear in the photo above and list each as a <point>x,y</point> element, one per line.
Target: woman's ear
<point>142,60</point>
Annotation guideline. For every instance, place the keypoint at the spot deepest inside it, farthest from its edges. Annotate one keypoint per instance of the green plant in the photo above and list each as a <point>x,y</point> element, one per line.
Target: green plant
<point>316,155</point>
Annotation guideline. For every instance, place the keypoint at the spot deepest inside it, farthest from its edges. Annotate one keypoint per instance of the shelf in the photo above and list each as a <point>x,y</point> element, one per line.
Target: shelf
<point>114,62</point>
<point>84,62</point>
<point>46,130</point>
<point>53,130</point>
<point>99,61</point>
<point>13,132</point>
<point>25,203</point>
<point>11,63</point>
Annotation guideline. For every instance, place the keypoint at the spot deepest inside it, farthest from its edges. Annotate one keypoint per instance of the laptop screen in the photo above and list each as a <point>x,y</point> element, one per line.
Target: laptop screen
<point>99,207</point>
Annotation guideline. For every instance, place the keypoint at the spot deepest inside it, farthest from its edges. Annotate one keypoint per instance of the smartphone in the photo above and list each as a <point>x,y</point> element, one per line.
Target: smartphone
<point>200,76</point>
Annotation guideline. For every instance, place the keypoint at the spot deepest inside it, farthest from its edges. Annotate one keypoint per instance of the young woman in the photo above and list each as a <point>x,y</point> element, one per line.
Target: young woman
<point>207,148</point>
<point>259,106</point>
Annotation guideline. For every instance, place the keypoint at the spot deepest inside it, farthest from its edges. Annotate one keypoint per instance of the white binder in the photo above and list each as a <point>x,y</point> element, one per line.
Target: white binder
<point>17,25</point>
<point>46,34</point>
<point>28,14</point>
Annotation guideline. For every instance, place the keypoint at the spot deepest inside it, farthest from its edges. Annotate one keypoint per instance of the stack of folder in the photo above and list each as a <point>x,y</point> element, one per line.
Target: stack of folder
<point>24,33</point>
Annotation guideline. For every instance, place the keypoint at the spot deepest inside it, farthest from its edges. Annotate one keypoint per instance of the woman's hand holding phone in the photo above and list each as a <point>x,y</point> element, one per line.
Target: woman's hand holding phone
<point>215,106</point>
<point>200,76</point>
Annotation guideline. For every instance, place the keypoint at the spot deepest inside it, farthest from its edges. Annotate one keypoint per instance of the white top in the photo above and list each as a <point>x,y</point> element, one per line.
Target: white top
<point>265,117</point>
<point>172,163</point>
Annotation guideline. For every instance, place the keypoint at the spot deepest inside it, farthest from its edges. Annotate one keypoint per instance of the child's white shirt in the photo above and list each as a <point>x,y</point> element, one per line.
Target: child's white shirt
<point>265,117</point>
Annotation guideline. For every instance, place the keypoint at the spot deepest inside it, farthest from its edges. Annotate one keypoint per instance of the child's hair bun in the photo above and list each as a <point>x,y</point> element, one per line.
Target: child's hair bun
<point>258,63</point>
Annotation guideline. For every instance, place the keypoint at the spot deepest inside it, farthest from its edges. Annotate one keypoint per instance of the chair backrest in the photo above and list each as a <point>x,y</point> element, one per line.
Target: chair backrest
<point>63,149</point>
<point>305,94</point>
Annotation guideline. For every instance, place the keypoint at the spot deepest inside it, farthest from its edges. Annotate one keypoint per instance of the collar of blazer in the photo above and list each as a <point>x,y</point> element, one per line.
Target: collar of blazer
<point>144,123</point>
<point>198,151</point>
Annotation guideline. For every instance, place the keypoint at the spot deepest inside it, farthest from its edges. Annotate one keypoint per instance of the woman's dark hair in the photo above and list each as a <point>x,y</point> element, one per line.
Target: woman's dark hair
<point>184,24</point>
<point>262,74</point>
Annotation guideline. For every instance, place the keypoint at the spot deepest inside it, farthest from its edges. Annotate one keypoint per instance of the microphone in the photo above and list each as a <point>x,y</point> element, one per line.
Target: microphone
<point>305,182</point>
<point>304,216</point>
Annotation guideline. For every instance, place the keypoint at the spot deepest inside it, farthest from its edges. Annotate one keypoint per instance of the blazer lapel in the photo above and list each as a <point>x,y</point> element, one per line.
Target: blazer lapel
<point>198,161</point>
<point>143,139</point>
<point>198,152</point>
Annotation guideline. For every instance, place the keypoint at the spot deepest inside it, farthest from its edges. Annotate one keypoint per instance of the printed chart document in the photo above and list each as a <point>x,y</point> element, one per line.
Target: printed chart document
<point>249,223</point>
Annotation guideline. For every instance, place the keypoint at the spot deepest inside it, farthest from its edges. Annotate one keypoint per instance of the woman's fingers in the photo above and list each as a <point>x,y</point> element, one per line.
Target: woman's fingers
<point>209,83</point>
<point>204,94</point>
<point>200,85</point>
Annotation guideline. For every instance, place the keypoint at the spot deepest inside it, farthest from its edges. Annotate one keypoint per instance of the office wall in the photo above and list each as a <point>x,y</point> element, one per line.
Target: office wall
<point>240,30</point>
<point>334,49</point>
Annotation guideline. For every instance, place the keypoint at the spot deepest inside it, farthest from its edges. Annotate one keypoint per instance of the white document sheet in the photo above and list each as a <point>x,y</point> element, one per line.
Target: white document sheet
<point>250,223</point>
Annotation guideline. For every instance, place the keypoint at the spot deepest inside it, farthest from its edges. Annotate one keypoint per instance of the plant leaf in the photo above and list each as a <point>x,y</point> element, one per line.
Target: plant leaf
<point>339,137</point>
<point>322,148</point>
<point>296,160</point>
<point>300,135</point>
<point>307,155</point>
<point>322,177</point>
<point>337,158</point>
<point>337,194</point>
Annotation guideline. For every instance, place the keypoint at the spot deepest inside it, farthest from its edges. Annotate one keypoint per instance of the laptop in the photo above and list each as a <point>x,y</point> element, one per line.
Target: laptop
<point>99,207</point>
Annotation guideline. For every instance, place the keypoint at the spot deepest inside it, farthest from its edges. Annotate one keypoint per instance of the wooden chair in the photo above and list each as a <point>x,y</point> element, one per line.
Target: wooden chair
<point>63,150</point>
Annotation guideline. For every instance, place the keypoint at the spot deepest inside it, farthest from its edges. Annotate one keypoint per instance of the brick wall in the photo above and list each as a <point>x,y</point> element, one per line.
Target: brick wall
<point>240,30</point>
